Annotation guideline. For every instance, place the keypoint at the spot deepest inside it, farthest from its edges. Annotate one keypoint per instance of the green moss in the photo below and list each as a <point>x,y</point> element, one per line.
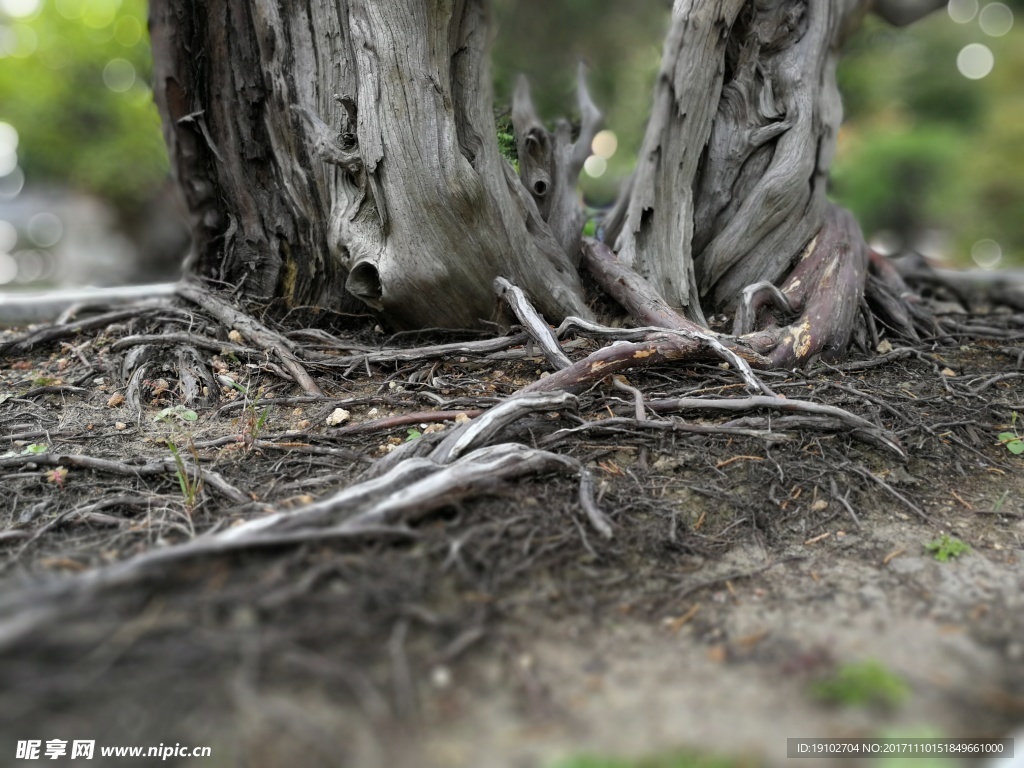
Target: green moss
<point>862,684</point>
<point>507,140</point>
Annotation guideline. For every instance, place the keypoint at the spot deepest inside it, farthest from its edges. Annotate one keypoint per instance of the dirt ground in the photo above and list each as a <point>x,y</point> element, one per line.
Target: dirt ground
<point>768,575</point>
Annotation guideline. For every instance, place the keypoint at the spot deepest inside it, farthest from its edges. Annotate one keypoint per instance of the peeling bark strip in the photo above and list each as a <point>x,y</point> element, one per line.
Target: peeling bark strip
<point>657,222</point>
<point>349,148</point>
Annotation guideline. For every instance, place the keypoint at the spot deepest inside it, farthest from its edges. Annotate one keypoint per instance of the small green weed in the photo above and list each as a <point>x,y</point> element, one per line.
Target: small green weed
<point>862,684</point>
<point>260,421</point>
<point>507,141</point>
<point>1012,440</point>
<point>253,424</point>
<point>232,384</point>
<point>946,547</point>
<point>190,486</point>
<point>413,434</point>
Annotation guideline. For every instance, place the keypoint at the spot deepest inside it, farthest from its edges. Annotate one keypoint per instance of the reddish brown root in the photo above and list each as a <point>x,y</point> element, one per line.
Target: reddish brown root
<point>826,288</point>
<point>894,303</point>
<point>636,295</point>
<point>656,349</point>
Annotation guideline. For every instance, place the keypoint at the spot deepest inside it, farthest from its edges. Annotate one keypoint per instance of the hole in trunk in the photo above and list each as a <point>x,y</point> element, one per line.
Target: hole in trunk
<point>364,283</point>
<point>540,188</point>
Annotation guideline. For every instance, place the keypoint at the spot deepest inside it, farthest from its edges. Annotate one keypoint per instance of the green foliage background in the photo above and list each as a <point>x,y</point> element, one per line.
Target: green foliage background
<point>73,129</point>
<point>923,148</point>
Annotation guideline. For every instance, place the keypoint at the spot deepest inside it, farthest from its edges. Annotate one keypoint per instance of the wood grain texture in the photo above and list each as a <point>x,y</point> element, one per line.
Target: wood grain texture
<point>730,186</point>
<point>344,155</point>
<point>333,150</point>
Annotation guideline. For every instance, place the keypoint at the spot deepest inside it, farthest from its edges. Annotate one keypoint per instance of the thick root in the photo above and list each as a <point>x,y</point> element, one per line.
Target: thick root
<point>812,314</point>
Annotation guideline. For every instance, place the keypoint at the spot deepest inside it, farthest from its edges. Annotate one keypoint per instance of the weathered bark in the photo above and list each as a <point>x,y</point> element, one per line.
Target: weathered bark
<point>731,180</point>
<point>730,185</point>
<point>350,147</point>
<point>550,163</point>
<point>341,151</point>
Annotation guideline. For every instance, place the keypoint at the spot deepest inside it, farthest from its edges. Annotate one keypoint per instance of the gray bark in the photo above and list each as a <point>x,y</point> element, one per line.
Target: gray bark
<point>333,149</point>
<point>731,179</point>
<point>550,163</point>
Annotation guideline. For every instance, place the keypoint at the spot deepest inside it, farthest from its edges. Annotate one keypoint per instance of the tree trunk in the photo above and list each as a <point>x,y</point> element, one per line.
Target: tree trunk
<point>347,150</point>
<point>334,149</point>
<point>730,185</point>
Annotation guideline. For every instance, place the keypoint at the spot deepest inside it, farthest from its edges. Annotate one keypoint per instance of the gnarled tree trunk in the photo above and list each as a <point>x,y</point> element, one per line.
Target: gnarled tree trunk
<point>340,151</point>
<point>327,148</point>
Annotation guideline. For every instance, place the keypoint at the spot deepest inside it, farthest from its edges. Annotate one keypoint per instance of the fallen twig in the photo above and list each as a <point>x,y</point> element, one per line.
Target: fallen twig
<point>415,354</point>
<point>892,491</point>
<point>638,396</point>
<point>149,469</point>
<point>405,419</point>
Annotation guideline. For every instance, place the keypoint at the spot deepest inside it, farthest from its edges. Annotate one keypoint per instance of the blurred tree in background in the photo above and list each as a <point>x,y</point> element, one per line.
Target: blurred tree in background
<point>84,196</point>
<point>74,83</point>
<point>931,156</point>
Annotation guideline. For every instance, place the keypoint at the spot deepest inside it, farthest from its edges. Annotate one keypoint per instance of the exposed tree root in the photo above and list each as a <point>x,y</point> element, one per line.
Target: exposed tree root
<point>253,330</point>
<point>59,331</point>
<point>465,464</point>
<point>859,425</point>
<point>819,302</point>
<point>811,315</point>
<point>814,313</point>
<point>519,436</point>
<point>166,467</point>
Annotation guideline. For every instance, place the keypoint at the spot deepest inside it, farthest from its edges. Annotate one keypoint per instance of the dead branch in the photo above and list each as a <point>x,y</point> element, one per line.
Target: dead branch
<point>629,427</point>
<point>593,512</point>
<point>535,325</point>
<point>416,354</point>
<point>638,397</point>
<point>407,419</point>
<point>108,466</point>
<point>485,428</point>
<point>32,339</point>
<point>189,339</point>
<point>893,492</point>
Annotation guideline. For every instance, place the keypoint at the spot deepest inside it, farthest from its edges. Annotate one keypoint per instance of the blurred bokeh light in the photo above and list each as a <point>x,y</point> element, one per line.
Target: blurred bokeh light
<point>83,168</point>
